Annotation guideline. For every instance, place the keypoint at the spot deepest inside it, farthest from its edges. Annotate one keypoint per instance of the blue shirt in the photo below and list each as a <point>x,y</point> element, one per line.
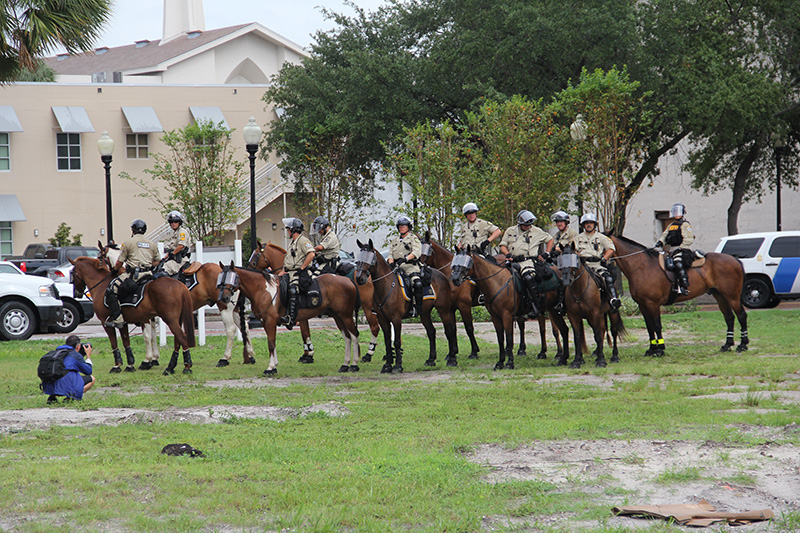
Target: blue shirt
<point>71,385</point>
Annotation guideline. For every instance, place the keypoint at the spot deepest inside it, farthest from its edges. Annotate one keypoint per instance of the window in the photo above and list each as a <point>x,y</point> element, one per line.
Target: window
<point>68,155</point>
<point>5,152</point>
<point>785,247</point>
<point>742,248</point>
<point>6,240</point>
<point>138,144</point>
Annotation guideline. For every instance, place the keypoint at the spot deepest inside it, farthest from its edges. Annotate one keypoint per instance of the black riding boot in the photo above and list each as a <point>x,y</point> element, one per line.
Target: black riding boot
<point>114,311</point>
<point>417,297</point>
<point>683,279</point>
<point>613,299</point>
<point>559,307</point>
<point>533,294</point>
<point>291,308</point>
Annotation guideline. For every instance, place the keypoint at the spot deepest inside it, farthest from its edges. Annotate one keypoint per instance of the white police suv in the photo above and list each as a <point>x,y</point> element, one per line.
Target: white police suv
<point>771,265</point>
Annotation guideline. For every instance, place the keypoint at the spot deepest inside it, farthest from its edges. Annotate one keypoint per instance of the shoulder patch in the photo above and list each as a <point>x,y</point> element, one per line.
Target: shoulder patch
<point>143,244</point>
<point>182,235</point>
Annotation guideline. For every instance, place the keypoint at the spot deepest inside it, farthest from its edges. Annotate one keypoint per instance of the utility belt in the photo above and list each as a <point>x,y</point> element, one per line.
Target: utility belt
<point>592,259</point>
<point>521,258</point>
<point>136,270</point>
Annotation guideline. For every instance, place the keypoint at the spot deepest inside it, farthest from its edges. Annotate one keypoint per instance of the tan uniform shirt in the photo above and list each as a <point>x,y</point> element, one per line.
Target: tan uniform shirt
<point>593,245</point>
<point>296,254</point>
<point>473,234</point>
<point>330,246</point>
<point>402,246</point>
<point>528,244</point>
<point>686,234</point>
<point>565,238</point>
<point>175,239</point>
<point>138,251</point>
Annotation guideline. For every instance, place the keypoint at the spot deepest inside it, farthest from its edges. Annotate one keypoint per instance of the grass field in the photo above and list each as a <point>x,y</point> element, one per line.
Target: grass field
<point>397,452</point>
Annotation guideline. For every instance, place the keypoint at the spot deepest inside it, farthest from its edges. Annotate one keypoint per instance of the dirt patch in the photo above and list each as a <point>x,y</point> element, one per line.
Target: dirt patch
<point>28,419</point>
<point>651,472</point>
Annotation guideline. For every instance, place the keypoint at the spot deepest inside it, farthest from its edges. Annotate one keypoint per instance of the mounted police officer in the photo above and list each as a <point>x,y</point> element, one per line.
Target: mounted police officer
<point>564,237</point>
<point>298,258</point>
<point>596,249</point>
<point>679,237</point>
<point>138,255</point>
<point>525,244</point>
<point>404,253</point>
<point>327,248</point>
<point>176,247</point>
<point>476,232</point>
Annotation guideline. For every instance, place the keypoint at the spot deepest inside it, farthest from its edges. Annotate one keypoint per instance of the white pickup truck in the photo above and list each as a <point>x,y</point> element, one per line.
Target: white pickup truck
<point>28,304</point>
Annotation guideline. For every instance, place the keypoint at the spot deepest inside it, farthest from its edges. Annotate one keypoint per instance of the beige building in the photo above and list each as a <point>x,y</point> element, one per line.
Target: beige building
<point>50,167</point>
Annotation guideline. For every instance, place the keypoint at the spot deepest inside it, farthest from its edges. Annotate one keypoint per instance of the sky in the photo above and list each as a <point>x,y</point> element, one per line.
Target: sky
<point>297,20</point>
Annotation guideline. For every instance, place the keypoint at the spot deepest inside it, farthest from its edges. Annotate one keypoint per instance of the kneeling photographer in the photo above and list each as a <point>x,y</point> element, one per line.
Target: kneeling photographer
<point>78,372</point>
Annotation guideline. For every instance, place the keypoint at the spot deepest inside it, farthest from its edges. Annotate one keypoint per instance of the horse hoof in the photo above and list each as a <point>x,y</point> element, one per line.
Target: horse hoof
<point>499,366</point>
<point>250,361</point>
<point>145,365</point>
<point>306,359</point>
<point>130,368</point>
<point>575,364</point>
<point>452,361</point>
<point>561,362</point>
<point>649,353</point>
<point>115,370</point>
<point>222,362</point>
<point>344,368</point>
<point>541,355</point>
<point>600,363</point>
<point>386,369</point>
<point>397,369</point>
<point>168,371</point>
<point>614,359</point>
<point>354,368</point>
<point>154,362</point>
<point>270,372</point>
<point>430,362</point>
<point>741,348</point>
<point>658,353</point>
<point>187,370</point>
<point>473,355</point>
<point>522,353</point>
<point>726,348</point>
<point>366,359</point>
<point>509,366</point>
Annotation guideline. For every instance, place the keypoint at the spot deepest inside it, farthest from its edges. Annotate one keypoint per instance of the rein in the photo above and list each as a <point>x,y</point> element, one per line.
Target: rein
<point>88,290</point>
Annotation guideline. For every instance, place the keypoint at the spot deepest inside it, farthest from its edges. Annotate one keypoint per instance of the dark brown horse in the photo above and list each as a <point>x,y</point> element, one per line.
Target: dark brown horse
<point>270,257</point>
<point>339,299</point>
<point>166,298</point>
<point>583,300</point>
<point>392,306</point>
<point>721,276</point>
<point>502,300</point>
<point>465,297</point>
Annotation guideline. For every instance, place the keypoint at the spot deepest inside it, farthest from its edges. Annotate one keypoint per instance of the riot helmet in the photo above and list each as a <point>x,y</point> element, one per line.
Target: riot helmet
<point>403,220</point>
<point>589,217</point>
<point>469,207</point>
<point>678,210</point>
<point>319,223</point>
<point>560,216</point>
<point>174,216</point>
<point>525,218</point>
<point>138,226</point>
<point>293,224</point>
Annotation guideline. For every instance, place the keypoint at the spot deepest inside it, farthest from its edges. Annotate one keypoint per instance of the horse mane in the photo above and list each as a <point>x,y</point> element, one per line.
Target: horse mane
<point>96,263</point>
<point>650,251</point>
<point>276,247</point>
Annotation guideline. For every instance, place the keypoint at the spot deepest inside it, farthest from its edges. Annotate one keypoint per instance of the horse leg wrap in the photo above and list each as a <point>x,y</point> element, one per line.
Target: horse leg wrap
<point>187,361</point>
<point>309,348</point>
<point>117,357</point>
<point>371,349</point>
<point>129,355</point>
<point>173,362</point>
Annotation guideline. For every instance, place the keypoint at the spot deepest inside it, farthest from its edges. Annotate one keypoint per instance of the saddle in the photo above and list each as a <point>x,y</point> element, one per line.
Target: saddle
<point>131,293</point>
<point>666,264</point>
<point>428,292</point>
<point>346,269</point>
<point>186,275</point>
<point>309,296</point>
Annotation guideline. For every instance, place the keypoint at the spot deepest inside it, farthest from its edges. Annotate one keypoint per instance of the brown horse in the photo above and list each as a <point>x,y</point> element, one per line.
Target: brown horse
<point>721,276</point>
<point>204,292</point>
<point>339,299</point>
<point>270,256</point>
<point>465,297</point>
<point>166,298</point>
<point>583,300</point>
<point>502,300</point>
<point>392,306</point>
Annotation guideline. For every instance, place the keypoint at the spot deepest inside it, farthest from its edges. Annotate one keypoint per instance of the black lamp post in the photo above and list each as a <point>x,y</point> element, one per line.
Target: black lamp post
<point>577,131</point>
<point>779,144</point>
<point>105,145</point>
<point>252,135</point>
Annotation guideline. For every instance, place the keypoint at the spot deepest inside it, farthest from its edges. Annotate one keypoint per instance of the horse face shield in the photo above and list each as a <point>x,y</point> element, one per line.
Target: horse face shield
<point>365,260</point>
<point>567,261</point>
<point>460,267</point>
<point>427,250</point>
<point>227,283</point>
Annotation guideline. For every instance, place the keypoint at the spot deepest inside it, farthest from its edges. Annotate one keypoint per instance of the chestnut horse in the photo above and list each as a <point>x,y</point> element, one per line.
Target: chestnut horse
<point>721,276</point>
<point>270,256</point>
<point>392,306</point>
<point>339,300</point>
<point>164,297</point>
<point>502,300</point>
<point>205,292</point>
<point>465,297</point>
<point>583,300</point>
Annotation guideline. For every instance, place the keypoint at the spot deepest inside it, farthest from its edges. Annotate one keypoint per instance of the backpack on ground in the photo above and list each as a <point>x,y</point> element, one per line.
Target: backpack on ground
<point>51,365</point>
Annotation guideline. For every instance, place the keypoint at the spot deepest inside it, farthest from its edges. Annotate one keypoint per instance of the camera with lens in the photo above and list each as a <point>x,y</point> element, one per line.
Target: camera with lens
<point>82,349</point>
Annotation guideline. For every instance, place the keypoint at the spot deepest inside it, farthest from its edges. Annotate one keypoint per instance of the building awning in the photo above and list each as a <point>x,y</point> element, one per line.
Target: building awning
<point>8,119</point>
<point>142,119</point>
<point>73,119</point>
<point>10,210</point>
<point>212,113</point>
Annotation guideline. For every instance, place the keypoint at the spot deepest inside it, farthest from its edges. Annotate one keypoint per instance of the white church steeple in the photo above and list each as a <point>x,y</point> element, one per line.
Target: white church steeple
<point>182,17</point>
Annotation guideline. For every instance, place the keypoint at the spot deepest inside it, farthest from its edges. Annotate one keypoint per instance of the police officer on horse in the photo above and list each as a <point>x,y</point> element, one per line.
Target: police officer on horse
<point>328,246</point>
<point>404,253</point>
<point>596,249</point>
<point>527,245</point>
<point>298,258</point>
<point>679,237</point>
<point>138,255</point>
<point>176,247</point>
<point>476,232</point>
<point>564,238</point>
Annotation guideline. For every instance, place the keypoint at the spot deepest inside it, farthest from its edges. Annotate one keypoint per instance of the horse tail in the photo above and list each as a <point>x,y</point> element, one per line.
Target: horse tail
<point>242,328</point>
<point>187,318</point>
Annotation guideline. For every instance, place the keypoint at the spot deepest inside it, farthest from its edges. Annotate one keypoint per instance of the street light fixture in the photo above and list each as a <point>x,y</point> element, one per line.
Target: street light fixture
<point>578,133</point>
<point>105,145</point>
<point>252,136</point>
<point>778,143</point>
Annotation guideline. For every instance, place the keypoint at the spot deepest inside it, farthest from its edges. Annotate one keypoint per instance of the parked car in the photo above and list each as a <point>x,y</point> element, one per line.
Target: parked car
<point>77,308</point>
<point>40,256</point>
<point>27,304</point>
<point>771,263</point>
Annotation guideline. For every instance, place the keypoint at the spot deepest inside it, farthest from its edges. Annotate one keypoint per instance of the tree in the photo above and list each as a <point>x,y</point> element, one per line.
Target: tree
<point>62,236</point>
<point>30,28</point>
<point>200,177</point>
